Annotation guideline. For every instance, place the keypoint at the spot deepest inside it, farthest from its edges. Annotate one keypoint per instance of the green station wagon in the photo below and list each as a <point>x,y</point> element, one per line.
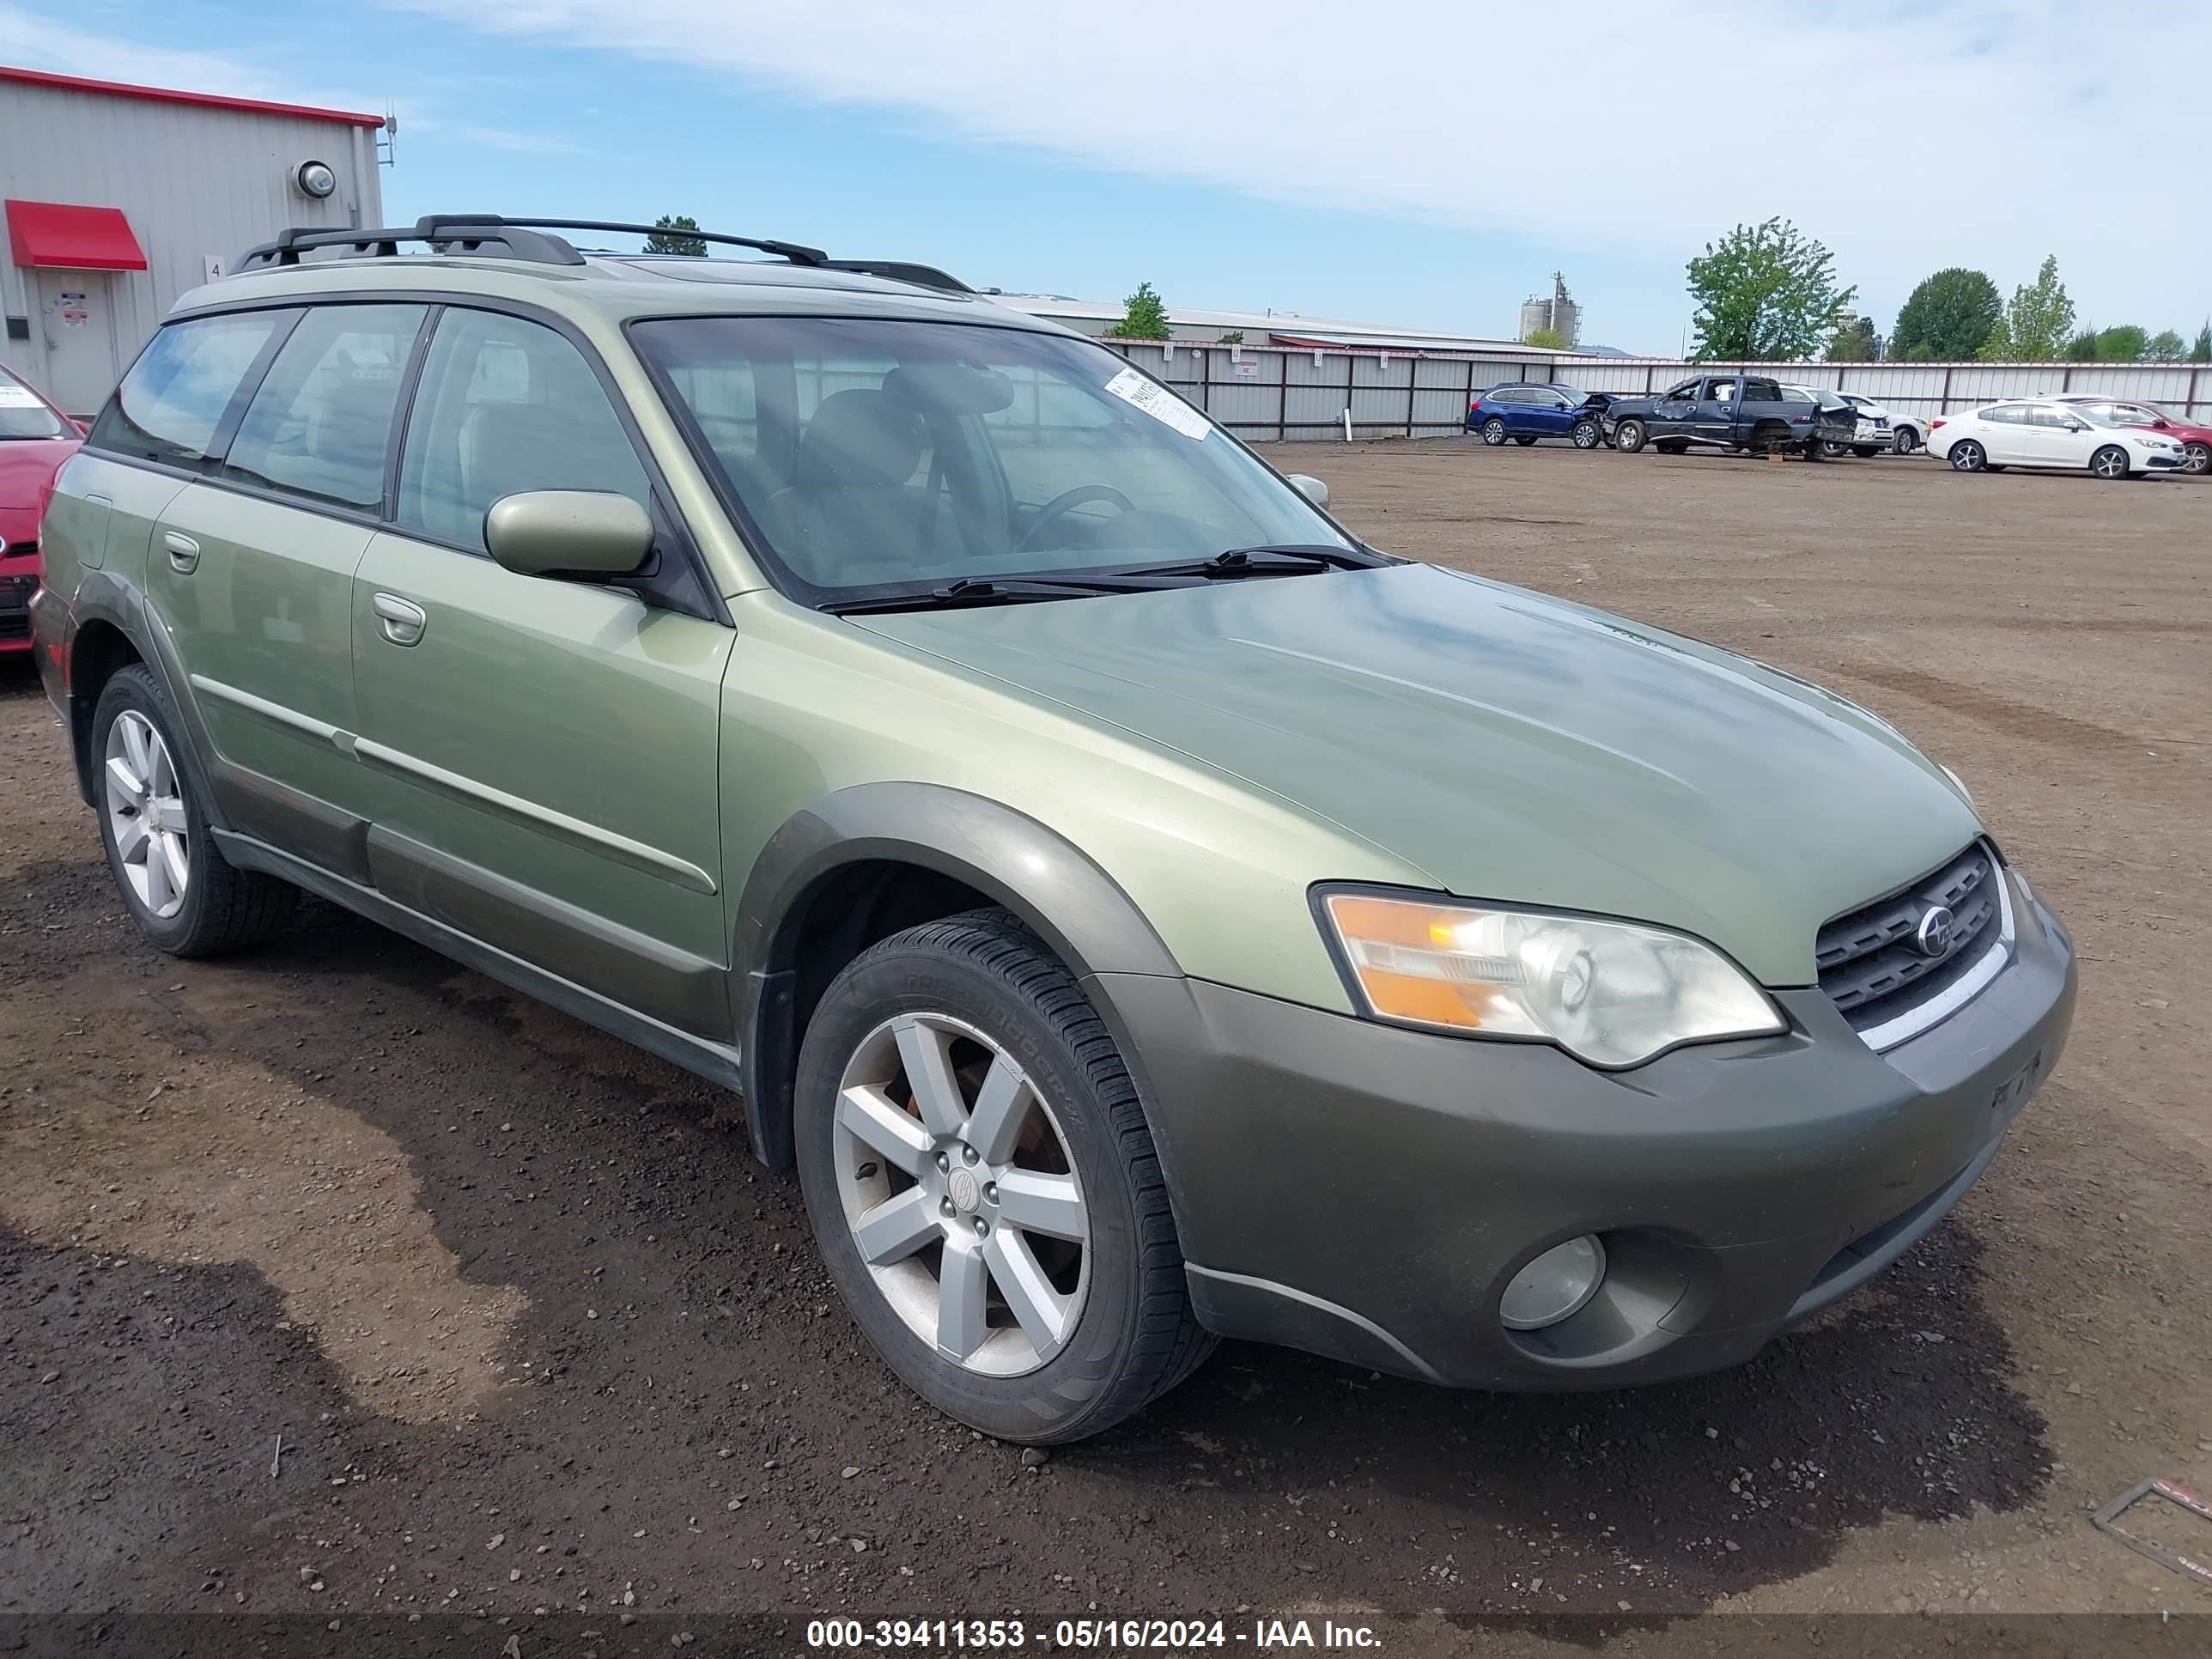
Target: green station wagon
<point>1140,911</point>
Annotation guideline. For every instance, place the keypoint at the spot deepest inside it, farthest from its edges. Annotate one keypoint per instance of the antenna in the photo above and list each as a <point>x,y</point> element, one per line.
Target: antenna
<point>387,138</point>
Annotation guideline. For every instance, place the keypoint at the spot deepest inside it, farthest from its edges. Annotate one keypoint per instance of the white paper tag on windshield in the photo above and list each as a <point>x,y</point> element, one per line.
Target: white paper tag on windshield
<point>16,397</point>
<point>1157,401</point>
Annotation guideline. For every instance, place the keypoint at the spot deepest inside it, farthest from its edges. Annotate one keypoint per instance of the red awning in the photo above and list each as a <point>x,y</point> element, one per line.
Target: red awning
<point>72,237</point>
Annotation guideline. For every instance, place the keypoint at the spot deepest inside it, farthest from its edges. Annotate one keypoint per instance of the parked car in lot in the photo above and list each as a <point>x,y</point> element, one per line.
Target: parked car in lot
<point>1731,411</point>
<point>2194,437</point>
<point>1880,430</point>
<point>1525,410</point>
<point>1140,911</point>
<point>2045,433</point>
<point>35,439</point>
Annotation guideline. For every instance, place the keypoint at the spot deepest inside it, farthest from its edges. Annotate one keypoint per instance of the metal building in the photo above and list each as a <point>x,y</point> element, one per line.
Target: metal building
<point>117,199</point>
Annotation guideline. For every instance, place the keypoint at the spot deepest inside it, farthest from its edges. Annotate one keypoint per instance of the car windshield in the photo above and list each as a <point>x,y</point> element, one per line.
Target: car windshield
<point>24,414</point>
<point>877,456</point>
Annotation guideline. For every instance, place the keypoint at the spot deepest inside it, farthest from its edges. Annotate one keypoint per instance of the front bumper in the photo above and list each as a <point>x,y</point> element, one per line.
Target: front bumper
<point>1367,1193</point>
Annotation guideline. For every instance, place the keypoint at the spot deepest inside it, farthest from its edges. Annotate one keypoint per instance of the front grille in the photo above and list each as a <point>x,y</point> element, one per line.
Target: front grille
<point>1870,962</point>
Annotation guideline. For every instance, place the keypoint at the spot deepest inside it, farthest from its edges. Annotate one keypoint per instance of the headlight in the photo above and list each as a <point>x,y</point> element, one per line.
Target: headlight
<point>1611,992</point>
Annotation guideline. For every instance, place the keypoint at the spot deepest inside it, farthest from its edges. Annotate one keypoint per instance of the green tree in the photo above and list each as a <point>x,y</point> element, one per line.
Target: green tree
<point>1765,293</point>
<point>2126,343</point>
<point>663,241</point>
<point>1946,319</point>
<point>1146,318</point>
<point>2202,351</point>
<point>2081,348</point>
<point>1231,337</point>
<point>1855,343</point>
<point>2038,323</point>
<point>1546,339</point>
<point>2165,347</point>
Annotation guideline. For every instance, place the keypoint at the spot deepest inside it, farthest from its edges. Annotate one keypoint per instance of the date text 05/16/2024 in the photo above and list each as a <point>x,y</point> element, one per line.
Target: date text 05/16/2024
<point>1114,1634</point>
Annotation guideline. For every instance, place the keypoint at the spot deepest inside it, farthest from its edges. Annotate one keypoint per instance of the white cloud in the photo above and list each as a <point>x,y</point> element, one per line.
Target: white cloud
<point>1904,136</point>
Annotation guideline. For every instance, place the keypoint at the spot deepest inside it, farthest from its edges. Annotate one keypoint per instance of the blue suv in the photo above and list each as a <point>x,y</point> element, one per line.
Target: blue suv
<point>1525,410</point>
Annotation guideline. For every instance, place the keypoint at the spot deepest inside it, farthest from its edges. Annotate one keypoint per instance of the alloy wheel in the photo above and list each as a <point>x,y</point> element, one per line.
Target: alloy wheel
<point>1587,436</point>
<point>2198,459</point>
<point>1967,456</point>
<point>146,815</point>
<point>960,1194</point>
<point>2110,462</point>
<point>1493,431</point>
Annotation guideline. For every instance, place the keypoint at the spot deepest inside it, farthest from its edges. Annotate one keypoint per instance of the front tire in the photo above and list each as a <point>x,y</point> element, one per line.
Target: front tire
<point>1523,441</point>
<point>2198,460</point>
<point>1493,432</point>
<point>1587,435</point>
<point>2110,463</point>
<point>984,1187</point>
<point>1628,437</point>
<point>1905,442</point>
<point>1865,451</point>
<point>184,897</point>
<point>1968,456</point>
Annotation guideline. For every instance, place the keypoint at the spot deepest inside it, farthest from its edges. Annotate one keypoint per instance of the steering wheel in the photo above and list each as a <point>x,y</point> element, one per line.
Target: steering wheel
<point>1066,503</point>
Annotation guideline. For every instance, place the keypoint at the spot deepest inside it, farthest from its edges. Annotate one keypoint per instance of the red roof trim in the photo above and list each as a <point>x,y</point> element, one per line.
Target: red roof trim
<point>65,236</point>
<point>169,95</point>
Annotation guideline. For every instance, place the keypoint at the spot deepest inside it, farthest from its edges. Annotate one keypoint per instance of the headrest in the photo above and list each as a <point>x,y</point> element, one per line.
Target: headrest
<point>859,438</point>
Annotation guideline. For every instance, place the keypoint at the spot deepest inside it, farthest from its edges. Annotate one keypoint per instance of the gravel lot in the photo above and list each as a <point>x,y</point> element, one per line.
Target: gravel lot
<point>538,1334</point>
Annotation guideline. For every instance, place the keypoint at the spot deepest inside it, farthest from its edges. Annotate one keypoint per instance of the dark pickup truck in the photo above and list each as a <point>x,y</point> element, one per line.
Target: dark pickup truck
<point>1736,412</point>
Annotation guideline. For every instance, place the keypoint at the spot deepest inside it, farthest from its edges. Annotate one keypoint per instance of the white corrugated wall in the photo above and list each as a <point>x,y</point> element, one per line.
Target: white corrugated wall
<point>194,180</point>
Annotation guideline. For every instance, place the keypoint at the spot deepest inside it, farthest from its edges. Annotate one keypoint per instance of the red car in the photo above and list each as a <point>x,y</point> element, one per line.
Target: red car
<point>2133,411</point>
<point>35,439</point>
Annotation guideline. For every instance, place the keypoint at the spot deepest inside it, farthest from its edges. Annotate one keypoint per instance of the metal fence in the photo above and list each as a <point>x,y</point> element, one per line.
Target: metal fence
<point>1280,392</point>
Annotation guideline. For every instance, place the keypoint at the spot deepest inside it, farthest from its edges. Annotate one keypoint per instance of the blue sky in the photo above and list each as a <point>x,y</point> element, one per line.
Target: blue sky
<point>1428,164</point>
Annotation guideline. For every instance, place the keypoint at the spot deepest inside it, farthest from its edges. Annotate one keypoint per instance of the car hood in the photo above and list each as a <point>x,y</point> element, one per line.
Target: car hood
<point>1512,746</point>
<point>27,465</point>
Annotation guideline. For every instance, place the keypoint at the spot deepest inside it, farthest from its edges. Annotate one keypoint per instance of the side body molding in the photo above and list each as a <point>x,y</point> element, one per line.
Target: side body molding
<point>1018,862</point>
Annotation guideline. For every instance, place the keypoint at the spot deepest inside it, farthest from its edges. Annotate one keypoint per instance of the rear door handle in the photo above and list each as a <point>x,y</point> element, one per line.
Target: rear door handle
<point>402,620</point>
<point>183,552</point>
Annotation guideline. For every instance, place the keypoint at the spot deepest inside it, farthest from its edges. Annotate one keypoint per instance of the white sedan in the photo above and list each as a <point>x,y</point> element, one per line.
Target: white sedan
<point>2034,432</point>
<point>1879,429</point>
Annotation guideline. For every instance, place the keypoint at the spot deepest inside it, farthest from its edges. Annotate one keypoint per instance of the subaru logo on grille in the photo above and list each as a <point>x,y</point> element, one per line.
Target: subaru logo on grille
<point>1933,937</point>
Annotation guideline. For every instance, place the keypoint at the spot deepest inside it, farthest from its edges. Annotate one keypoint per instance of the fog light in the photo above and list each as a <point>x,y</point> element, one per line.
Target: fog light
<point>1554,1285</point>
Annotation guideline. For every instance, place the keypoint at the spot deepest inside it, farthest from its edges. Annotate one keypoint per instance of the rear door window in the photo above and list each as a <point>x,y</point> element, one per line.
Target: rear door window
<point>320,425</point>
<point>170,407</point>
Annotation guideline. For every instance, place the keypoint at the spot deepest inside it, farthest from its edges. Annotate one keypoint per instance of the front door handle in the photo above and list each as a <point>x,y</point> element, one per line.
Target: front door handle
<point>183,552</point>
<point>402,620</point>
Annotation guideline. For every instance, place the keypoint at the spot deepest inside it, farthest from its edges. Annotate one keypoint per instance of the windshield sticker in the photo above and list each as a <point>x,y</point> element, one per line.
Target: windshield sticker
<point>1157,401</point>
<point>16,397</point>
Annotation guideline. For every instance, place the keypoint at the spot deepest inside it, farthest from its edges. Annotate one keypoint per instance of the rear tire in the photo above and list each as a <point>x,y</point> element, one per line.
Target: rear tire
<point>2110,463</point>
<point>1628,437</point>
<point>1113,1304</point>
<point>1493,432</point>
<point>1672,447</point>
<point>184,897</point>
<point>1968,456</point>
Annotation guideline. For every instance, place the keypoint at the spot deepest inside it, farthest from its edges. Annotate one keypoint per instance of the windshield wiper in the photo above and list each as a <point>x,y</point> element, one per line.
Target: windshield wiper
<point>1283,559</point>
<point>979,590</point>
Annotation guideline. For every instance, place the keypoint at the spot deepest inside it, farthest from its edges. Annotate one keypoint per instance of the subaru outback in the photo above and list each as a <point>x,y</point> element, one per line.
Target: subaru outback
<point>1142,912</point>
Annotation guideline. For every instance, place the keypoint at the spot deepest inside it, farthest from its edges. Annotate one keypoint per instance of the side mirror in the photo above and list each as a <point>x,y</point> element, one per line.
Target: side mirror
<point>563,532</point>
<point>1311,488</point>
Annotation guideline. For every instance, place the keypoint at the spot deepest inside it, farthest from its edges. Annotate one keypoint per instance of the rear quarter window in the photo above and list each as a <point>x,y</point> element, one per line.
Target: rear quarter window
<point>171,406</point>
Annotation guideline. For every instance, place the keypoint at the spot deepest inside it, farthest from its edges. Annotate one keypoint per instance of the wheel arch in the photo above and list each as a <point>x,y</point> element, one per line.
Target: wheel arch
<point>871,860</point>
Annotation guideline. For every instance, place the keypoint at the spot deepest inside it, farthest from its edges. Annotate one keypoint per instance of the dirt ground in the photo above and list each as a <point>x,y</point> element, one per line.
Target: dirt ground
<point>543,1345</point>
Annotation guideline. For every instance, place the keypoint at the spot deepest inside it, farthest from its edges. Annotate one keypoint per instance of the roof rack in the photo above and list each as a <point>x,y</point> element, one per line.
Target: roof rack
<point>487,233</point>
<point>900,271</point>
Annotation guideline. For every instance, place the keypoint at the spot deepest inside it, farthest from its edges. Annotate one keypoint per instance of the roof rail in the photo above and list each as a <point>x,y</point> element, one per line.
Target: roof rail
<point>900,271</point>
<point>448,233</point>
<point>796,253</point>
